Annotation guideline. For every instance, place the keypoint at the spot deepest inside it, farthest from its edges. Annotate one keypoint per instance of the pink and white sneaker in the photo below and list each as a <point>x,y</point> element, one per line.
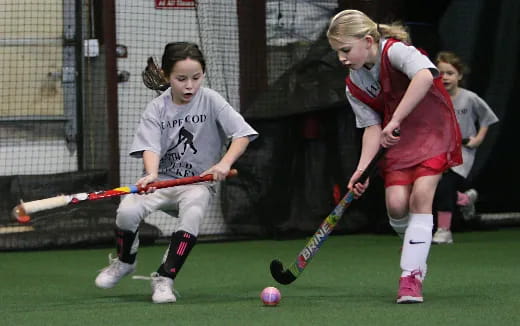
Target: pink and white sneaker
<point>410,288</point>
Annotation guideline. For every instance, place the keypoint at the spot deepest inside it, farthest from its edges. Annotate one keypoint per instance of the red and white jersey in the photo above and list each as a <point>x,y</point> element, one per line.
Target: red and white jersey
<point>430,130</point>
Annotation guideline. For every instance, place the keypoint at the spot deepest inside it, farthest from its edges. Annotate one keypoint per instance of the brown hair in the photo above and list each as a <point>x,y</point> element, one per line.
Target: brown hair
<point>452,59</point>
<point>177,51</point>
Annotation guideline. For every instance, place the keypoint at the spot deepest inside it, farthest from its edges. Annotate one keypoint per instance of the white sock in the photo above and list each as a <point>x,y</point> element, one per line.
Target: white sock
<point>416,244</point>
<point>399,225</point>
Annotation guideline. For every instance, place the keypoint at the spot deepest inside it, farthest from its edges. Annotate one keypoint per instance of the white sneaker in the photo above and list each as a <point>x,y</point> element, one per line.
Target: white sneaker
<point>113,273</point>
<point>468,211</point>
<point>442,236</point>
<point>162,289</point>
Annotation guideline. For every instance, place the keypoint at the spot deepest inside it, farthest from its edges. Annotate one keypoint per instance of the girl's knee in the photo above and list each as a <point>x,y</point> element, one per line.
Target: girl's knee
<point>129,216</point>
<point>397,214</point>
<point>397,209</point>
<point>193,208</point>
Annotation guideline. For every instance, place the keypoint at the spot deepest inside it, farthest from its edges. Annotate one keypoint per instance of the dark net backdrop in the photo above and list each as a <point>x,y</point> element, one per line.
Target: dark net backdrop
<point>71,96</point>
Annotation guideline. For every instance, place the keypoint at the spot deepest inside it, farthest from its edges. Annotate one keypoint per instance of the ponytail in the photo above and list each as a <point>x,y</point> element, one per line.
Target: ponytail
<point>395,30</point>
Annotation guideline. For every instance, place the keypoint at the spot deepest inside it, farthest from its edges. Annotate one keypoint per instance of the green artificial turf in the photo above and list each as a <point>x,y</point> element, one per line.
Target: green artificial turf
<point>351,281</point>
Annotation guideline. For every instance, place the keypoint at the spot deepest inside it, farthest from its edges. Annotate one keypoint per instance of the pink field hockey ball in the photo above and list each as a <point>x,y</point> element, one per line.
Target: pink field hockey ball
<point>270,296</point>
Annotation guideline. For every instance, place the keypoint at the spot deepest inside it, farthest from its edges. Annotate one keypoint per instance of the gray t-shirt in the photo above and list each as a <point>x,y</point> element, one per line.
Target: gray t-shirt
<point>403,57</point>
<point>472,113</point>
<point>189,138</point>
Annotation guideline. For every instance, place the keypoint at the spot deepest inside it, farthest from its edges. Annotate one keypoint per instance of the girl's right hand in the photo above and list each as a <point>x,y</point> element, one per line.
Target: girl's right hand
<point>389,137</point>
<point>357,188</point>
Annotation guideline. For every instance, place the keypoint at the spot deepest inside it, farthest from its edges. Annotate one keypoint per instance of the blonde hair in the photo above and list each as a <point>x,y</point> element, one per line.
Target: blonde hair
<point>354,23</point>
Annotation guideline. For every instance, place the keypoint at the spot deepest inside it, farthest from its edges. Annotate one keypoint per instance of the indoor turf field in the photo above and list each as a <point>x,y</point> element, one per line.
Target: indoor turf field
<point>351,281</point>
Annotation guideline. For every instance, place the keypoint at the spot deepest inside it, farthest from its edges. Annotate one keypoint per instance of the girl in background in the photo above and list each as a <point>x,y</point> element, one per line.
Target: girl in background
<point>474,117</point>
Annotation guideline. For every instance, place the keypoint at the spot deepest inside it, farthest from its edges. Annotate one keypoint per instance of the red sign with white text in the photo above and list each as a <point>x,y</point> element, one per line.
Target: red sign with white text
<point>168,4</point>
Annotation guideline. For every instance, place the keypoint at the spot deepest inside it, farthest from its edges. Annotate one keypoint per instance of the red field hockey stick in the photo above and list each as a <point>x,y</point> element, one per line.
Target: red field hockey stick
<point>23,211</point>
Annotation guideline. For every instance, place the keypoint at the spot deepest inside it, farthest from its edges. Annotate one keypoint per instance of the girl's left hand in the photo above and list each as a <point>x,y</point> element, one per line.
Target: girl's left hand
<point>472,143</point>
<point>142,182</point>
<point>219,171</point>
<point>387,137</point>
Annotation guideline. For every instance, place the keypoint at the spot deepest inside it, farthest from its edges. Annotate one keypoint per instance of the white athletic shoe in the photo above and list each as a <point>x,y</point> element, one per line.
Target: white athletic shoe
<point>442,236</point>
<point>468,211</point>
<point>162,289</point>
<point>113,273</point>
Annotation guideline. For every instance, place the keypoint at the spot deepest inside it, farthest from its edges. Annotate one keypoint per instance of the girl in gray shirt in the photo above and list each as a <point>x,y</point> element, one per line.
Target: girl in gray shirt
<point>474,117</point>
<point>182,133</point>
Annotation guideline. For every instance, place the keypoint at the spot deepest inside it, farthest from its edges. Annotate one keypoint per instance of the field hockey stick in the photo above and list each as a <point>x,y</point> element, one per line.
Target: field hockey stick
<point>287,276</point>
<point>22,211</point>
<point>153,78</point>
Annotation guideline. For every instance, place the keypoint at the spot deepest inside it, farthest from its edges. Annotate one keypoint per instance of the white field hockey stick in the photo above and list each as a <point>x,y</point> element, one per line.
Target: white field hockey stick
<point>23,211</point>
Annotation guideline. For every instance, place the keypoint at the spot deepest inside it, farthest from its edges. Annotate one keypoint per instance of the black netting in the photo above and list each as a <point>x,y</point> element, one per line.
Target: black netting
<point>71,95</point>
